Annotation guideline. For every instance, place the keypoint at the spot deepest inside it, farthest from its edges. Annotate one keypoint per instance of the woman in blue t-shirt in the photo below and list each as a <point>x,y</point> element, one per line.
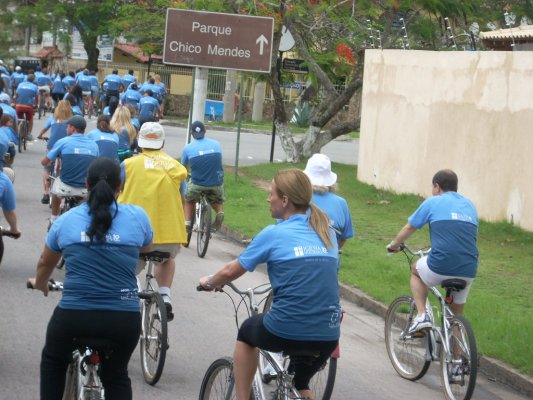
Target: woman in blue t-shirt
<point>301,254</point>
<point>100,241</point>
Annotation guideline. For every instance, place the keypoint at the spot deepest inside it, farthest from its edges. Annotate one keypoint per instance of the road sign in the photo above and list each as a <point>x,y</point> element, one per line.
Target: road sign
<point>294,65</point>
<point>218,40</point>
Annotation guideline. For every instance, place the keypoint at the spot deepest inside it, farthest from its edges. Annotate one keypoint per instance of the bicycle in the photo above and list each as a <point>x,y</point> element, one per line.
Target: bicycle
<point>154,332</point>
<point>5,232</point>
<point>201,224</point>
<point>219,382</point>
<point>41,108</point>
<point>82,379</point>
<point>450,340</point>
<point>22,131</point>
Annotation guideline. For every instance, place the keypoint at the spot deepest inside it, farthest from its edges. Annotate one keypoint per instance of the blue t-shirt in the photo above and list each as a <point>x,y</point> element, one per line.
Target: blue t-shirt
<point>4,146</point>
<point>85,82</point>
<point>77,152</point>
<point>303,275</point>
<point>42,79</point>
<point>337,210</point>
<point>148,106</point>
<point>9,111</point>
<point>10,133</point>
<point>26,93</point>
<point>100,275</point>
<point>107,143</point>
<point>59,85</point>
<point>17,78</point>
<point>69,81</point>
<point>204,157</point>
<point>113,82</point>
<point>7,193</point>
<point>128,79</point>
<point>131,96</point>
<point>453,227</point>
<point>58,130</point>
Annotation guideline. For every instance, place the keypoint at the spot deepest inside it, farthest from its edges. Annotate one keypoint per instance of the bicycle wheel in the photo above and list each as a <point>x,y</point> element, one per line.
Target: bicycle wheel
<point>459,369</point>
<point>23,130</point>
<point>218,382</point>
<point>204,228</point>
<point>154,339</point>
<point>407,352</point>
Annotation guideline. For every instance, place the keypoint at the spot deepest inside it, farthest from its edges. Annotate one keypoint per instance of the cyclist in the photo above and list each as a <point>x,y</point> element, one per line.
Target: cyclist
<point>17,78</point>
<point>25,99</point>
<point>69,80</point>
<point>75,98</point>
<point>148,108</point>
<point>76,152</point>
<point>162,91</point>
<point>127,134</point>
<point>131,96</point>
<point>100,298</point>
<point>58,130</point>
<point>95,90</point>
<point>105,138</point>
<point>324,182</point>
<point>85,83</point>
<point>111,86</point>
<point>128,79</point>
<point>9,203</point>
<point>7,145</point>
<point>59,89</point>
<point>44,83</point>
<point>152,180</point>
<point>453,228</point>
<point>5,77</point>
<point>7,109</point>
<point>203,157</point>
<point>302,256</point>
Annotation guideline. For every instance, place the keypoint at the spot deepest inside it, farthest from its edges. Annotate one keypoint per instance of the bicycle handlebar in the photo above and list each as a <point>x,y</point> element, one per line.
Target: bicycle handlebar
<point>53,285</point>
<point>255,291</point>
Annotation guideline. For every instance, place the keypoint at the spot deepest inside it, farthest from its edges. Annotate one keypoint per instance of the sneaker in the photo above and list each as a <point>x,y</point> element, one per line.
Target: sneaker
<point>45,199</point>
<point>217,223</point>
<point>420,323</point>
<point>168,306</point>
<point>29,138</point>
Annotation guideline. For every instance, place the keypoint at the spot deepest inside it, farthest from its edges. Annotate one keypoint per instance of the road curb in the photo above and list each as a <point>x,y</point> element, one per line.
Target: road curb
<point>493,369</point>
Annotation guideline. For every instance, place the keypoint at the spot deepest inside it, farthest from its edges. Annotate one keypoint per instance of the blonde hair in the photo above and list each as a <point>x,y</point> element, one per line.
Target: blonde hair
<point>157,79</point>
<point>295,184</point>
<point>122,120</point>
<point>63,111</point>
<point>325,189</point>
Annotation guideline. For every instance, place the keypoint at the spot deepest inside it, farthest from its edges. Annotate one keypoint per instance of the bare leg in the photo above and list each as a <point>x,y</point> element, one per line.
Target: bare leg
<point>419,290</point>
<point>457,309</point>
<point>245,364</point>
<point>188,208</point>
<point>56,204</point>
<point>217,207</point>
<point>164,273</point>
<point>46,183</point>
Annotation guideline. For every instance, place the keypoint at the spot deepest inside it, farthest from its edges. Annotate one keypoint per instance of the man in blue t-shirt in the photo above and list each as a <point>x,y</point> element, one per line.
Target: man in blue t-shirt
<point>203,158</point>
<point>148,108</point>
<point>453,228</point>
<point>9,204</point>
<point>76,152</point>
<point>111,86</point>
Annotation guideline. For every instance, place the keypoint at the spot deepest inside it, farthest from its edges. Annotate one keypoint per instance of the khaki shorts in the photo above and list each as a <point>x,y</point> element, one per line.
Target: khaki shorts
<point>44,88</point>
<point>430,278</point>
<point>214,194</point>
<point>61,189</point>
<point>172,248</point>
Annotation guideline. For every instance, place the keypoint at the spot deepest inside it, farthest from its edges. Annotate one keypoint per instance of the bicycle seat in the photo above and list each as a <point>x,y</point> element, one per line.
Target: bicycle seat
<point>302,353</point>
<point>98,344</point>
<point>453,284</point>
<point>157,256</point>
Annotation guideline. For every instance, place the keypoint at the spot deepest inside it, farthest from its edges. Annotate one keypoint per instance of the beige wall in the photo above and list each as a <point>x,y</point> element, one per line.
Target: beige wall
<point>468,111</point>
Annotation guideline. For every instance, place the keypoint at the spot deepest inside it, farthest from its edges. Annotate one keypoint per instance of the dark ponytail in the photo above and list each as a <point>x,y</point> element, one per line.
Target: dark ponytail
<point>103,178</point>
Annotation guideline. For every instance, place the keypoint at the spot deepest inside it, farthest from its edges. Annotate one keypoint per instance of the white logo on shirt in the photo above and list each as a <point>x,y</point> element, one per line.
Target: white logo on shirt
<point>109,238</point>
<point>461,217</point>
<point>300,251</point>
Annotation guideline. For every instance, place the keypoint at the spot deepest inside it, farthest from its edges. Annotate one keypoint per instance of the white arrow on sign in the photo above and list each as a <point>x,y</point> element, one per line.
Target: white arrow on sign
<point>262,40</point>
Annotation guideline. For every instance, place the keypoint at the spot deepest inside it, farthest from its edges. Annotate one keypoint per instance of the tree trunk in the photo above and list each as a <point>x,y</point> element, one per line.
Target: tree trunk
<point>92,52</point>
<point>259,101</point>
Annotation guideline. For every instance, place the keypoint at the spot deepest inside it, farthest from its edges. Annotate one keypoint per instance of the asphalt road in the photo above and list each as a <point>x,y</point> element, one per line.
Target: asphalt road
<point>204,327</point>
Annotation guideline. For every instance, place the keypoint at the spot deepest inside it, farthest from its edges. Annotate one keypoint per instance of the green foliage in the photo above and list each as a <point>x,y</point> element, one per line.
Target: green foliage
<point>302,115</point>
<point>500,300</point>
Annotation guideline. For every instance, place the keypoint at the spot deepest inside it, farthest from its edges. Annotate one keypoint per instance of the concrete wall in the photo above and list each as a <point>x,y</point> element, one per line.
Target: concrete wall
<point>468,111</point>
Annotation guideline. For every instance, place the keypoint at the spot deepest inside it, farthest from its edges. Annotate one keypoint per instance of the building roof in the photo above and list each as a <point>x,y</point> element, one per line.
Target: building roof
<point>135,51</point>
<point>520,32</point>
<point>49,52</point>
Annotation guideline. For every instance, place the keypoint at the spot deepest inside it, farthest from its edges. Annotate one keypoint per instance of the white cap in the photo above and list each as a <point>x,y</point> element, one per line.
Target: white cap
<point>318,169</point>
<point>1,62</point>
<point>18,68</point>
<point>151,136</point>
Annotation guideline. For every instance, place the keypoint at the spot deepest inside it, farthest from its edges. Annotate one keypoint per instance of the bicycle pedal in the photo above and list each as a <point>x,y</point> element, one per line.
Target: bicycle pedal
<point>420,334</point>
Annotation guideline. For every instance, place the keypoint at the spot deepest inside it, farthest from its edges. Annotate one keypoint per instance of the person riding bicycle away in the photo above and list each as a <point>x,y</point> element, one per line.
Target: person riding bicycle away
<point>100,241</point>
<point>301,254</point>
<point>25,99</point>
<point>203,158</point>
<point>131,96</point>
<point>44,83</point>
<point>453,229</point>
<point>17,78</point>
<point>128,79</point>
<point>324,182</point>
<point>133,113</point>
<point>152,180</point>
<point>7,109</point>
<point>106,139</point>
<point>3,67</point>
<point>148,108</point>
<point>162,91</point>
<point>9,203</point>
<point>58,130</point>
<point>95,91</point>
<point>76,152</point>
<point>7,146</point>
<point>59,89</point>
<point>151,85</point>
<point>6,80</point>
<point>113,84</point>
<point>127,134</point>
<point>75,98</point>
<point>85,83</point>
<point>69,80</point>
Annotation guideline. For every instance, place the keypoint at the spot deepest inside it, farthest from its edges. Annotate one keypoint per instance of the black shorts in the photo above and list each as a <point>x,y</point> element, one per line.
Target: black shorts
<point>254,333</point>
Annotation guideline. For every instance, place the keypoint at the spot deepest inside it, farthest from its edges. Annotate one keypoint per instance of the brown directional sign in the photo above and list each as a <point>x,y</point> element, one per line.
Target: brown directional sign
<point>218,40</point>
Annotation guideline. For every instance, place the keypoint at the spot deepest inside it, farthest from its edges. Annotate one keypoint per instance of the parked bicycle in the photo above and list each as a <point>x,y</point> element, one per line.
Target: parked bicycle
<point>8,233</point>
<point>450,340</point>
<point>82,379</point>
<point>219,381</point>
<point>154,332</point>
<point>201,224</point>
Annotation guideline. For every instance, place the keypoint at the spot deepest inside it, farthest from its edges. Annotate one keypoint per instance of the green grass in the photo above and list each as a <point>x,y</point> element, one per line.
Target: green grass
<point>499,305</point>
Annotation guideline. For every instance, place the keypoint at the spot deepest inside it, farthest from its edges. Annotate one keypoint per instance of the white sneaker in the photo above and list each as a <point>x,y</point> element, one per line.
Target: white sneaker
<point>419,323</point>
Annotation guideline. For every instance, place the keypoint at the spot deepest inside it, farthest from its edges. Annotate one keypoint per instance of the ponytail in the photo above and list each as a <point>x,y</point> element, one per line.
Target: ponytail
<point>320,223</point>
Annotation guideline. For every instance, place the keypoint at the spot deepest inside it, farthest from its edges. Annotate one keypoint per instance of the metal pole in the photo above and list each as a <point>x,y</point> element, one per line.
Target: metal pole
<point>189,122</point>
<point>239,113</point>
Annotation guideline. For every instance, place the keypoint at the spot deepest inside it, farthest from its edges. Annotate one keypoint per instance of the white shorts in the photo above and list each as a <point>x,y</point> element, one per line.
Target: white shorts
<point>44,88</point>
<point>61,189</point>
<point>172,248</point>
<point>87,93</point>
<point>430,278</point>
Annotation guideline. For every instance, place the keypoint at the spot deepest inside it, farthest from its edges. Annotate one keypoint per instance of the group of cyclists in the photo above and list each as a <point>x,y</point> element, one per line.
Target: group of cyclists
<point>138,202</point>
